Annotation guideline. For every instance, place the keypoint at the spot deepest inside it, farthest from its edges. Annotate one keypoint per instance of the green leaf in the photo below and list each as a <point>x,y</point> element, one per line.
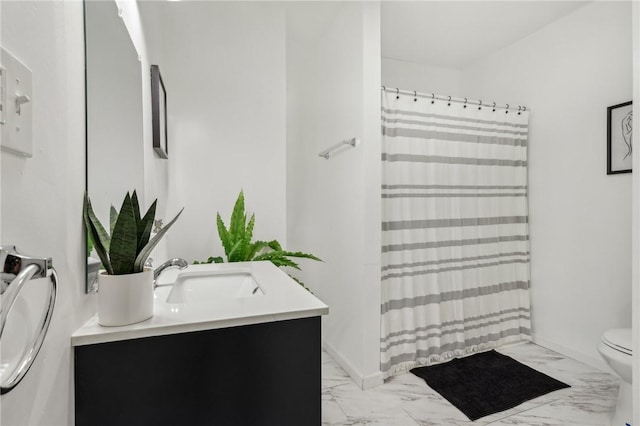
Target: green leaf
<point>238,218</point>
<point>99,236</point>
<point>300,254</point>
<point>277,258</point>
<point>124,247</point>
<point>146,250</point>
<point>255,248</point>
<point>145,225</point>
<point>236,252</point>
<point>283,261</point>
<point>223,233</point>
<point>296,279</point>
<point>300,282</point>
<point>100,250</point>
<point>89,243</point>
<point>91,218</point>
<point>246,249</point>
<point>136,207</point>
<point>113,218</point>
<point>216,259</point>
<point>274,245</point>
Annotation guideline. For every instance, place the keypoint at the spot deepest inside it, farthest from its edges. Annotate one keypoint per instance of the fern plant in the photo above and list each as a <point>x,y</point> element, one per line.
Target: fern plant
<point>125,249</point>
<point>239,247</point>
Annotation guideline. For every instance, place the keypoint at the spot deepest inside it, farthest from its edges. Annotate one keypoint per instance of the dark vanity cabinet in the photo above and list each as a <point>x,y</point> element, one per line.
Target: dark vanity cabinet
<point>252,375</point>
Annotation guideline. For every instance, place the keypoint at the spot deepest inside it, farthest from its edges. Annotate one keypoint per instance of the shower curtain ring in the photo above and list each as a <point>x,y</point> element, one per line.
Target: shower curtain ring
<point>519,109</point>
<point>415,96</point>
<point>384,88</point>
<point>449,101</point>
<point>397,93</point>
<point>507,109</point>
<point>465,103</point>
<point>433,98</point>
<point>524,108</point>
<point>480,106</point>
<point>494,107</point>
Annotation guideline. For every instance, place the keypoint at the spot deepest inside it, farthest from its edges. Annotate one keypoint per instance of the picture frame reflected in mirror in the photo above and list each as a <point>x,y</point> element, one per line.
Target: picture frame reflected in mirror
<point>159,113</point>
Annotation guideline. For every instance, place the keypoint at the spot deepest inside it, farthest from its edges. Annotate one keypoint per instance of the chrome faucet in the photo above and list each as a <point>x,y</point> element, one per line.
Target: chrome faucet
<point>177,262</point>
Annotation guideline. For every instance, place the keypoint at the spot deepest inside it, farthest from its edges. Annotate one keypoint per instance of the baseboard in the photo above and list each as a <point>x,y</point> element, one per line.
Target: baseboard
<point>372,380</point>
<point>362,381</point>
<point>600,364</point>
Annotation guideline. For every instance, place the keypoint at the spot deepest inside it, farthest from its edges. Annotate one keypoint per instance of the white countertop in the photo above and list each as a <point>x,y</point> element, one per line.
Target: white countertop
<point>283,299</point>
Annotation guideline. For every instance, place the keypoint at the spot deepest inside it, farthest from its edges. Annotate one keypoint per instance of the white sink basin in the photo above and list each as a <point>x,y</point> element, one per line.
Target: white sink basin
<point>211,285</point>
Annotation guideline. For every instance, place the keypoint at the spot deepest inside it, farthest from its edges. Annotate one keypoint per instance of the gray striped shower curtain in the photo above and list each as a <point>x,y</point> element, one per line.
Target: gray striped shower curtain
<point>455,240</point>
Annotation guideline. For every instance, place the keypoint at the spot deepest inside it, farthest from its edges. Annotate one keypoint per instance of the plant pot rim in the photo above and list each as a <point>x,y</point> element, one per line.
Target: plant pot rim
<point>104,273</point>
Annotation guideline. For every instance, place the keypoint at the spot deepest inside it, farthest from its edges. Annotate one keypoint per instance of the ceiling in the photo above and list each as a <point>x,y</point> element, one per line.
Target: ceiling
<point>454,34</point>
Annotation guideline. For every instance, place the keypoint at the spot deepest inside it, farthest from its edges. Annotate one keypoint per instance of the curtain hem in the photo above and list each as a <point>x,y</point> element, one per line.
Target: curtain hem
<point>458,353</point>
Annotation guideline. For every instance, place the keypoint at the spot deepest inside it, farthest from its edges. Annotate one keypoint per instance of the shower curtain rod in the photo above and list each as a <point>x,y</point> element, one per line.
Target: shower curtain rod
<point>434,97</point>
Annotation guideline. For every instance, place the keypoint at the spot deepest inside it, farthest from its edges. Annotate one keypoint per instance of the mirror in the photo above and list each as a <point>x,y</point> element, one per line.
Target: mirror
<point>114,115</point>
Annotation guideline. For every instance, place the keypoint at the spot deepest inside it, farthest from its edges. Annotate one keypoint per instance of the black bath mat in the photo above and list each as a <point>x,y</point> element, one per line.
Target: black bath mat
<point>486,383</point>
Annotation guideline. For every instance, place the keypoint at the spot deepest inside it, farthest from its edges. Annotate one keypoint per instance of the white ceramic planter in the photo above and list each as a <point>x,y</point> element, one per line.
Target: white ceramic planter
<point>125,299</point>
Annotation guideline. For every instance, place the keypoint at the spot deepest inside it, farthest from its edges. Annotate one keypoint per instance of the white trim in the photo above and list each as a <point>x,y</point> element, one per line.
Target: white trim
<point>372,380</point>
<point>362,381</point>
<point>600,364</point>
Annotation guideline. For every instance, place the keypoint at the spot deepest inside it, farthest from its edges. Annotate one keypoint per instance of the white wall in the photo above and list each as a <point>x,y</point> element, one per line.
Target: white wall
<point>223,66</point>
<point>580,218</point>
<point>421,78</point>
<point>333,206</point>
<point>42,196</point>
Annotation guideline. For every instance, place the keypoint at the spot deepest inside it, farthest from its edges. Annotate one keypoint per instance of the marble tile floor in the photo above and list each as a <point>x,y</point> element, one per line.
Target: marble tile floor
<point>405,400</point>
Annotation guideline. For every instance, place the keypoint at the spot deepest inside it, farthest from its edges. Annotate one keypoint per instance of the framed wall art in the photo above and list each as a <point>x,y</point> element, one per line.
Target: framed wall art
<point>619,130</point>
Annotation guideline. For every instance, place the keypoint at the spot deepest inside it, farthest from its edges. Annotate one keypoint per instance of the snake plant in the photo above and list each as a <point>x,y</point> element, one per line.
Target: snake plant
<point>239,247</point>
<point>125,249</point>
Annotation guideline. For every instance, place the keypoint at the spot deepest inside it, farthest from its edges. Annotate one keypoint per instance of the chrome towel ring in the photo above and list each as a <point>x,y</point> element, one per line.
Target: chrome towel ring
<point>16,270</point>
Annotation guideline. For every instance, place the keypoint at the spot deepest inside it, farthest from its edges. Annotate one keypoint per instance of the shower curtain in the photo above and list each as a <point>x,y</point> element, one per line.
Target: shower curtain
<point>455,241</point>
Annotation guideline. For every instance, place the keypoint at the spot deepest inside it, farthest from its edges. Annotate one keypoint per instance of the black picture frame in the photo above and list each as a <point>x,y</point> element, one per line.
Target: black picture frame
<point>619,131</point>
<point>159,113</point>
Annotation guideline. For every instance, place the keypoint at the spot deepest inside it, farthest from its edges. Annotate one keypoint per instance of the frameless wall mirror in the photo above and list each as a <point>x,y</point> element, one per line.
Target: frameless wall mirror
<point>114,115</point>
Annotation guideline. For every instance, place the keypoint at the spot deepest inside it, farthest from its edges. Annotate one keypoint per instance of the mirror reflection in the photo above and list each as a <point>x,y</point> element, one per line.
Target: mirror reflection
<point>114,115</point>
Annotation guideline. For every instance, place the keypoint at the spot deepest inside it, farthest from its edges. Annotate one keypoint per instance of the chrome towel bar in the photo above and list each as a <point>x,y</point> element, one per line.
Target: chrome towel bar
<point>329,152</point>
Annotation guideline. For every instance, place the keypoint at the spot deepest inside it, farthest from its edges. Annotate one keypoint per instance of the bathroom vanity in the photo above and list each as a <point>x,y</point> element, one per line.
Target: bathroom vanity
<point>245,357</point>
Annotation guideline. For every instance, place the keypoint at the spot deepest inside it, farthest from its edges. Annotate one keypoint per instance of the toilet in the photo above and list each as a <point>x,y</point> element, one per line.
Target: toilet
<point>615,348</point>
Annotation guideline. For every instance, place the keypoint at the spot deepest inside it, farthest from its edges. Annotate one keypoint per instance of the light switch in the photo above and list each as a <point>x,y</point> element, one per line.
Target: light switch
<point>16,102</point>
